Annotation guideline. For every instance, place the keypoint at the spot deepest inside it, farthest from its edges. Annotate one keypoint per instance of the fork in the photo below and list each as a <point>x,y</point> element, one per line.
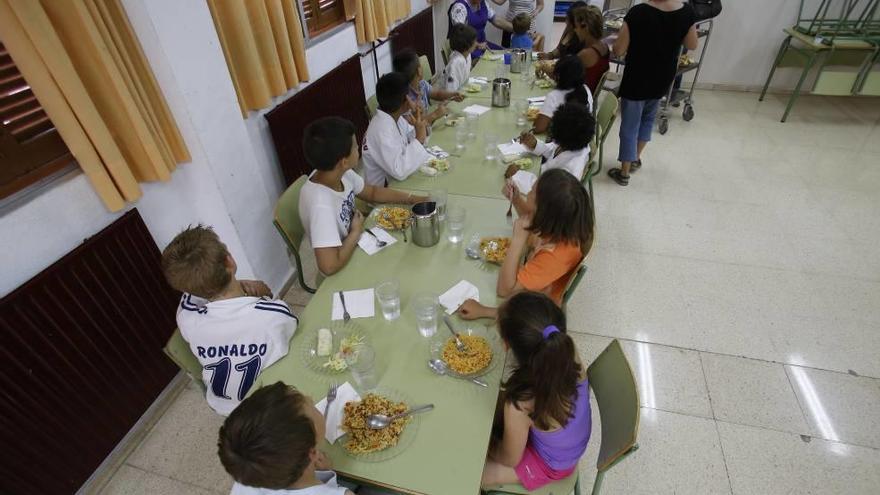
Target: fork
<point>459,345</point>
<point>388,219</point>
<point>331,396</point>
<point>510,212</point>
<point>379,242</point>
<point>345,315</point>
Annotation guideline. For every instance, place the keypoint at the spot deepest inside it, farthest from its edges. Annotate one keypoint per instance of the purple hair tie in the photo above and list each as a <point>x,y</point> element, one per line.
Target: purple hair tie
<point>549,330</point>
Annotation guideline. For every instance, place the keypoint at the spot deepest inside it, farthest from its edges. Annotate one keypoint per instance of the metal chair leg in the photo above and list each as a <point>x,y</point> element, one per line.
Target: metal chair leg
<point>782,49</point>
<point>597,485</point>
<point>797,89</point>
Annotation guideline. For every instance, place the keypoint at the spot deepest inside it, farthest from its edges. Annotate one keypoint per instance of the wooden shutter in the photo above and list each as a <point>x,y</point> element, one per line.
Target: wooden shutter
<point>30,147</point>
<point>322,15</point>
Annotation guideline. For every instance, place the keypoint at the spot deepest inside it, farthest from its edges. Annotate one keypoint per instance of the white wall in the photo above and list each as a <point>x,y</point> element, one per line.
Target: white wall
<point>233,180</point>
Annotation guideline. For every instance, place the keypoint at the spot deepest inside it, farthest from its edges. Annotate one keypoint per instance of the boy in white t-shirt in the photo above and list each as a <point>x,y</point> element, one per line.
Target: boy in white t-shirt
<point>233,327</point>
<point>462,42</point>
<point>269,445</point>
<point>326,201</point>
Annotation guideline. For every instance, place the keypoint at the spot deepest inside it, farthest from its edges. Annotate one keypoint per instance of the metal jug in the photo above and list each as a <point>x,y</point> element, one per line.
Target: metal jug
<point>425,224</point>
<point>518,60</point>
<point>501,92</point>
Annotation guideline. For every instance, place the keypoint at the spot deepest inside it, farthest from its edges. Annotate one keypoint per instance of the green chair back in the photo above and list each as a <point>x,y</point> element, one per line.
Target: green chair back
<point>445,51</point>
<point>606,114</point>
<point>566,486</point>
<point>289,225</point>
<point>617,397</point>
<point>573,284</point>
<point>372,106</point>
<point>426,68</point>
<point>178,350</point>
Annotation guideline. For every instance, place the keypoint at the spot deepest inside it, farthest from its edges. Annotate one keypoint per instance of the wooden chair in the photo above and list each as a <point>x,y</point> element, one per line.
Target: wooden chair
<point>178,351</point>
<point>290,227</point>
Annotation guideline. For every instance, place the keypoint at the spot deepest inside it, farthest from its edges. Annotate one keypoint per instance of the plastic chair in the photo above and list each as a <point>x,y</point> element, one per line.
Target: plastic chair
<point>573,284</point>
<point>372,106</point>
<point>289,225</point>
<point>617,397</point>
<point>445,51</point>
<point>426,68</point>
<point>606,114</point>
<point>178,351</point>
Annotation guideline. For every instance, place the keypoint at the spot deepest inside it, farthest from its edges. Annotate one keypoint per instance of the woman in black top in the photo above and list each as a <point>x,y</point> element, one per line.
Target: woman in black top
<point>651,38</point>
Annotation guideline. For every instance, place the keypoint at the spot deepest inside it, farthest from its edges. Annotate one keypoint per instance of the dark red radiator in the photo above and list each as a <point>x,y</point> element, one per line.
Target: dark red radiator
<point>416,33</point>
<point>340,92</point>
<point>81,345</point>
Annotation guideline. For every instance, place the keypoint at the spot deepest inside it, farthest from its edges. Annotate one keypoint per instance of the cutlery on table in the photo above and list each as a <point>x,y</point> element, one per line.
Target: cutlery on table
<point>345,315</point>
<point>440,367</point>
<point>379,242</point>
<point>331,396</point>
<point>380,421</point>
<point>458,343</point>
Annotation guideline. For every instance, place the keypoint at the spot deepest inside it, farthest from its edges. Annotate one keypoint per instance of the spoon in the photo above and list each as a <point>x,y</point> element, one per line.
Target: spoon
<point>439,366</point>
<point>380,421</point>
<point>379,242</point>
<point>472,253</point>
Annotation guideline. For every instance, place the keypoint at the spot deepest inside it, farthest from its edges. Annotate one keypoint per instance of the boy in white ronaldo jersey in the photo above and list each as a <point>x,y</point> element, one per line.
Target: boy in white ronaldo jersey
<point>233,327</point>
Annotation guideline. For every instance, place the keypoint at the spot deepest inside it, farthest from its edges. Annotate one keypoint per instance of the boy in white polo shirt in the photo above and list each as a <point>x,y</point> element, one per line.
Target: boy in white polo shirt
<point>326,201</point>
<point>233,327</point>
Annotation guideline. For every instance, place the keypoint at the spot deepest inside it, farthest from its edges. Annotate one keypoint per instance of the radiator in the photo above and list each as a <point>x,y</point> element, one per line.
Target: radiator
<point>81,345</point>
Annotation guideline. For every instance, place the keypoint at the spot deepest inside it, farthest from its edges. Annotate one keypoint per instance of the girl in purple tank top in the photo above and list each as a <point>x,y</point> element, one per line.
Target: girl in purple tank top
<point>546,401</point>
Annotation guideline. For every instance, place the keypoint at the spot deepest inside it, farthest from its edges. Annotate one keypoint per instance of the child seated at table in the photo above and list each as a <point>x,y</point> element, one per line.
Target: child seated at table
<point>546,413</point>
<point>521,37</point>
<point>394,142</point>
<point>572,128</point>
<point>555,238</point>
<point>233,327</point>
<point>269,445</point>
<point>407,63</point>
<point>462,42</point>
<point>326,202</point>
<point>569,76</point>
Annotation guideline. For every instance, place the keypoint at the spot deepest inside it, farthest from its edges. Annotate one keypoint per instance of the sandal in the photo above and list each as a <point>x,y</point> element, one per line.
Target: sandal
<point>635,166</point>
<point>617,175</point>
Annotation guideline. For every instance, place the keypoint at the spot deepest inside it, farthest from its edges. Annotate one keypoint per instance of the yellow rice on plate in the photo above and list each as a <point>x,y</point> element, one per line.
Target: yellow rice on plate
<point>392,217</point>
<point>476,357</point>
<point>494,249</point>
<point>363,440</point>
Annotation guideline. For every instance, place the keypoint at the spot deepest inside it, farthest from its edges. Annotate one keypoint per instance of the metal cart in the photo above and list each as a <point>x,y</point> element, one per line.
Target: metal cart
<point>674,97</point>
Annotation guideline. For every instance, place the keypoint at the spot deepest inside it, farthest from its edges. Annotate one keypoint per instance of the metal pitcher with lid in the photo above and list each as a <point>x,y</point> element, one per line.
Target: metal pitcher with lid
<point>518,60</point>
<point>501,92</point>
<point>425,224</point>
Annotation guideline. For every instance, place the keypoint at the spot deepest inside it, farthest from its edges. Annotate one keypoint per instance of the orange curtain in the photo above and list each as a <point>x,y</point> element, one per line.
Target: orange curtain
<point>373,18</point>
<point>264,47</point>
<point>86,68</point>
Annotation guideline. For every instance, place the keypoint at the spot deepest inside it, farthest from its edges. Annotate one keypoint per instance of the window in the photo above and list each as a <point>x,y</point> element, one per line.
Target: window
<point>321,15</point>
<point>30,147</point>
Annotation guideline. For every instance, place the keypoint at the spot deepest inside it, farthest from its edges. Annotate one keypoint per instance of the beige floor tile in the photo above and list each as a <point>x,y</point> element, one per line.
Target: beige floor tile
<point>754,393</point>
<point>130,480</point>
<point>772,462</point>
<point>839,406</point>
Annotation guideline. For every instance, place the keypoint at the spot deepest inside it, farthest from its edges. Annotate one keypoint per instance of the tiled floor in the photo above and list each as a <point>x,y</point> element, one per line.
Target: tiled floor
<point>740,268</point>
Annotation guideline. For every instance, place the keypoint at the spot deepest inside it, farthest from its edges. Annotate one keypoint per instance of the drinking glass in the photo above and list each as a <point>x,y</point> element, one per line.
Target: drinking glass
<point>425,308</point>
<point>388,294</point>
<point>439,196</point>
<point>501,71</point>
<point>461,136</point>
<point>491,148</point>
<point>522,107</point>
<point>455,223</point>
<point>363,368</point>
<point>472,126</point>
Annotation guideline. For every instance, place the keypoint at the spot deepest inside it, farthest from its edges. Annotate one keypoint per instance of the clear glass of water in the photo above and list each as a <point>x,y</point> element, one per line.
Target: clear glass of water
<point>455,216</point>
<point>472,126</point>
<point>491,147</point>
<point>461,136</point>
<point>522,107</point>
<point>388,294</point>
<point>363,368</point>
<point>425,306</point>
<point>439,196</point>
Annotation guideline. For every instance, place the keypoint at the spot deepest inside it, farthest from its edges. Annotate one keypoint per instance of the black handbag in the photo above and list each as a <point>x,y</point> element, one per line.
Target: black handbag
<point>706,9</point>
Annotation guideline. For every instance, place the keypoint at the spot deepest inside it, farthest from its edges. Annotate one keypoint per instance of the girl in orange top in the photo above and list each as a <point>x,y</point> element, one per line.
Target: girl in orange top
<point>556,237</point>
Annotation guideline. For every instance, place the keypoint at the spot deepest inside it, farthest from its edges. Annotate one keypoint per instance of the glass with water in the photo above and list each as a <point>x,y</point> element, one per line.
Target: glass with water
<point>363,368</point>
<point>491,148</point>
<point>461,136</point>
<point>472,126</point>
<point>388,294</point>
<point>439,196</point>
<point>455,223</point>
<point>425,308</point>
<point>521,108</point>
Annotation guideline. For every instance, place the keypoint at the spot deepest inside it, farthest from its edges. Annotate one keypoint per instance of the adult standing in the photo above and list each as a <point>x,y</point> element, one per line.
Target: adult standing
<point>477,14</point>
<point>651,39</point>
<point>516,7</point>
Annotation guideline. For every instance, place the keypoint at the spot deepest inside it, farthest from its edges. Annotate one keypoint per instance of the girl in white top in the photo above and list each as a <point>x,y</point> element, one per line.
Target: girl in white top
<point>569,76</point>
<point>572,128</point>
<point>462,41</point>
<point>327,199</point>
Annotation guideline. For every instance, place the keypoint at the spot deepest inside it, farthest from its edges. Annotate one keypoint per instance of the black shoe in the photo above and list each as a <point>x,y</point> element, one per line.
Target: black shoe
<point>635,166</point>
<point>617,175</point>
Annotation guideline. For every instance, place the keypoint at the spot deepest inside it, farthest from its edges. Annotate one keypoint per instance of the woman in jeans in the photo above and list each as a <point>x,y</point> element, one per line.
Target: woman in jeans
<point>651,38</point>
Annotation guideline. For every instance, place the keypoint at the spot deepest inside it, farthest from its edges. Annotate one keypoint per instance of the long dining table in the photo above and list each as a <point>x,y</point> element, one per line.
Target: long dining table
<point>447,453</point>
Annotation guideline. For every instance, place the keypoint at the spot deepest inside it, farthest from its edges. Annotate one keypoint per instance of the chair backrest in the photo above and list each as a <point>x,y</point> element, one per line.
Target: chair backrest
<point>287,219</point>
<point>178,350</point>
<point>426,68</point>
<point>372,106</point>
<point>573,283</point>
<point>606,115</point>
<point>445,51</point>
<point>617,396</point>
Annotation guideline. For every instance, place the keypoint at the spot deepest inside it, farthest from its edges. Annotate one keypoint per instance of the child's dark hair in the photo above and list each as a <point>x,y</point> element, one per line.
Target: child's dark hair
<point>569,75</point>
<point>391,91</point>
<point>462,37</point>
<point>572,126</point>
<point>547,369</point>
<point>407,63</point>
<point>265,442</point>
<point>521,23</point>
<point>563,212</point>
<point>326,141</point>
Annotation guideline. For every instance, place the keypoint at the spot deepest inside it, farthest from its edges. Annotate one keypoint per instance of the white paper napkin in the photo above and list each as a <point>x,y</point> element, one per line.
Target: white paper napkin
<point>345,393</point>
<point>524,181</point>
<point>478,80</point>
<point>359,303</point>
<point>513,148</point>
<point>459,293</point>
<point>476,109</point>
<point>371,246</point>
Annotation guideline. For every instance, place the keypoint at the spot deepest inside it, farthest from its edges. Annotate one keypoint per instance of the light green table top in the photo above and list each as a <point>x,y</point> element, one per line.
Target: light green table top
<point>519,89</point>
<point>470,174</point>
<point>448,452</point>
